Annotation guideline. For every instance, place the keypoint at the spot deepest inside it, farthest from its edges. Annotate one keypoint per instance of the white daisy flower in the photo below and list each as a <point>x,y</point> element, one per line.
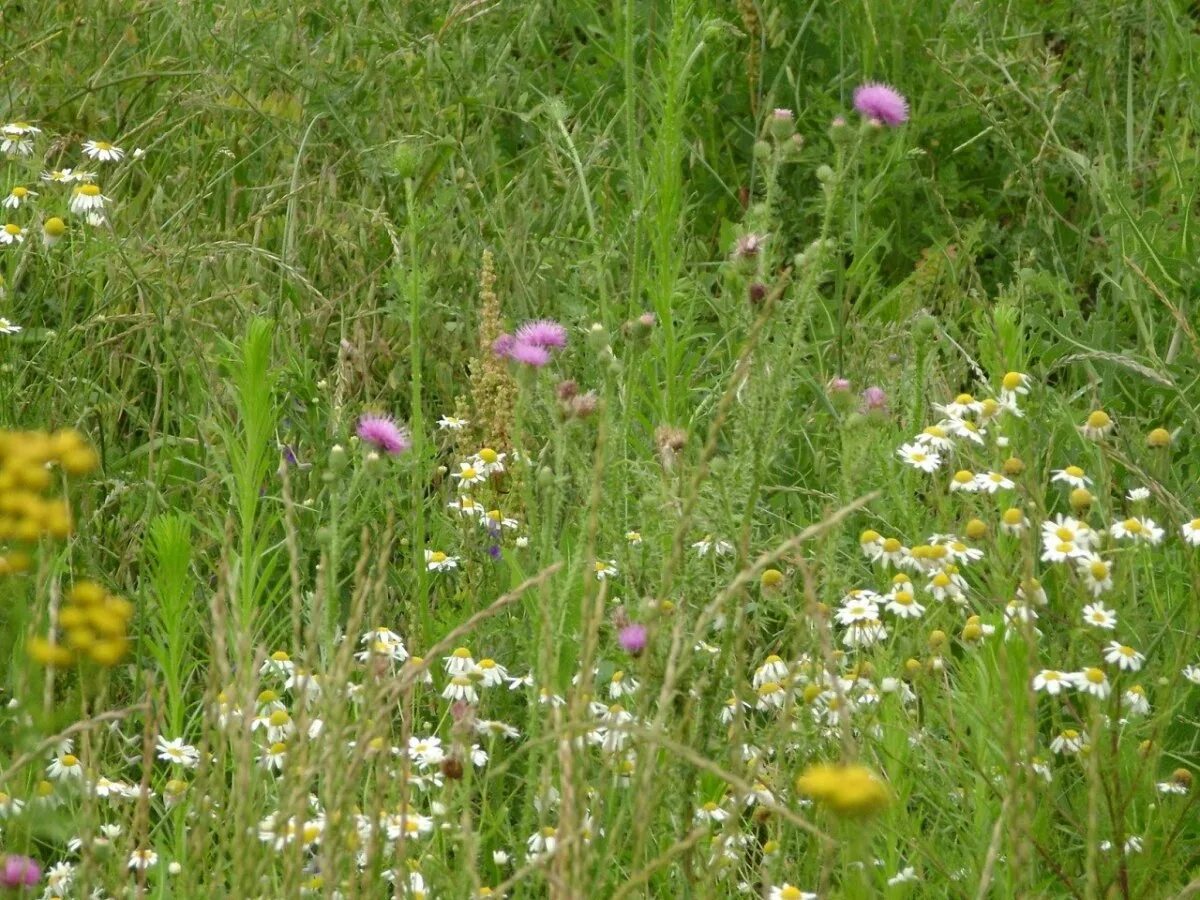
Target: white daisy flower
<point>437,561</point>
<point>468,474</point>
<point>990,482</point>
<point>17,196</point>
<point>1139,530</point>
<point>1123,656</point>
<point>1068,741</point>
<point>920,457</point>
<point>12,234</point>
<point>1191,532</point>
<point>1098,616</point>
<point>452,423</point>
<point>102,151</point>
<point>1096,573</point>
<point>1071,475</point>
<point>8,327</point>
<point>1092,681</point>
<point>86,198</point>
<point>1051,681</point>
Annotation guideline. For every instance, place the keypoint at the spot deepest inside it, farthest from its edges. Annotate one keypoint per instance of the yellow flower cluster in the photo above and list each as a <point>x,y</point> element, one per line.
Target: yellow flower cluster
<point>29,511</point>
<point>847,790</point>
<point>94,626</point>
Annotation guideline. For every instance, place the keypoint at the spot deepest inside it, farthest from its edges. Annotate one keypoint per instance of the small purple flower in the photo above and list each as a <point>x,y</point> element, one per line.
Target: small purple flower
<point>874,399</point>
<point>383,432</point>
<point>882,103</point>
<point>19,871</point>
<point>839,385</point>
<point>529,354</point>
<point>542,333</point>
<point>502,346</point>
<point>632,639</point>
<point>494,551</point>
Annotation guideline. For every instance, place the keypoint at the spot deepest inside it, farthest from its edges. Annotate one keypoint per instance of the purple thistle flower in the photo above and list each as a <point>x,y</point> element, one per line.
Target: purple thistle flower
<point>529,354</point>
<point>874,399</point>
<point>542,333</point>
<point>19,871</point>
<point>632,639</point>
<point>882,103</point>
<point>383,432</point>
<point>502,346</point>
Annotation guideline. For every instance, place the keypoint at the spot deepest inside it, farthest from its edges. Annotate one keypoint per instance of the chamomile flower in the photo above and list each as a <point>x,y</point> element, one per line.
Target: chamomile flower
<point>621,685</point>
<point>9,327</point>
<point>961,406</point>
<point>490,673</point>
<point>1052,682</point>
<point>65,766</point>
<point>102,151</point>
<point>935,438</point>
<point>1013,521</point>
<point>1098,616</point>
<point>469,474</point>
<point>1068,741</point>
<point>1013,386</point>
<point>1138,530</point>
<point>1135,702</point>
<point>382,643</point>
<point>1097,425</point>
<point>708,544</point>
<point>142,859</point>
<point>858,609</point>
<point>177,752</point>
<point>1123,656</point>
<point>990,482</point>
<point>771,695</point>
<point>1189,530</point>
<point>871,543</point>
<point>904,605</point>
<point>459,662</point>
<point>964,480</point>
<point>452,423</point>
<point>787,891</point>
<point>17,196</point>
<point>1095,573</point>
<point>465,506</point>
<point>943,586</point>
<point>437,561</point>
<point>1138,495</point>
<point>12,234</point>
<point>1191,673</point>
<point>773,668</point>
<point>1071,475</point>
<point>1092,681</point>
<point>461,688</point>
<point>86,198</point>
<point>920,457</point>
<point>865,634</point>
<point>16,138</point>
<point>633,538</point>
<point>711,812</point>
<point>605,569</point>
<point>965,429</point>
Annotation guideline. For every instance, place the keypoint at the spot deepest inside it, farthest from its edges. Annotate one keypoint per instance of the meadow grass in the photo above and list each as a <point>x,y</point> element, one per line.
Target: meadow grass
<point>777,580</point>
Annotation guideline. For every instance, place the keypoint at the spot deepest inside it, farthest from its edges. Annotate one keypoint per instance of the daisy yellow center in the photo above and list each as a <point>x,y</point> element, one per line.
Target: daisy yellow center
<point>1099,616</point>
<point>1126,651</point>
<point>268,697</point>
<point>964,399</point>
<point>772,659</point>
<point>1012,381</point>
<point>10,228</point>
<point>935,431</point>
<point>89,190</point>
<point>1074,471</point>
<point>1064,533</point>
<point>488,455</point>
<point>1070,734</point>
<point>278,748</point>
<point>102,145</point>
<point>1094,675</point>
<point>437,557</point>
<point>901,579</point>
<point>280,656</point>
<point>1133,526</point>
<point>904,598</point>
<point>1099,570</point>
<point>989,407</point>
<point>69,760</point>
<point>19,192</point>
<point>1065,547</point>
<point>1012,516</point>
<point>1053,676</point>
<point>941,579</point>
<point>962,476</point>
<point>769,687</point>
<point>918,456</point>
<point>487,664</point>
<point>469,472</point>
<point>891,545</point>
<point>868,537</point>
<point>937,552</point>
<point>462,653</point>
<point>710,806</point>
<point>1194,524</point>
<point>790,893</point>
<point>279,717</point>
<point>1099,419</point>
